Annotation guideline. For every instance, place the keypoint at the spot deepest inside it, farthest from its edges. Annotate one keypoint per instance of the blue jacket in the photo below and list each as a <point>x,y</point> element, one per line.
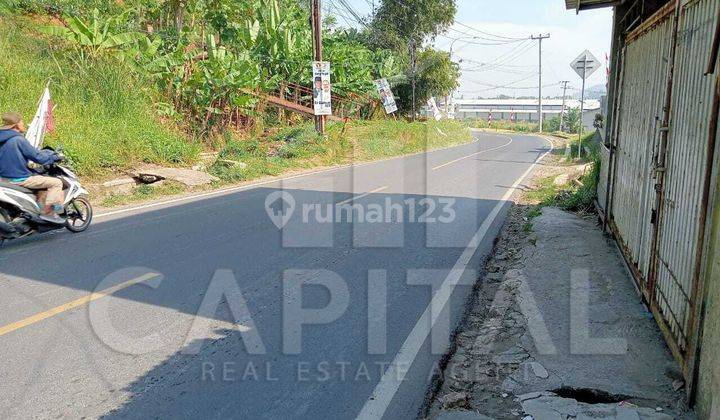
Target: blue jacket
<point>16,151</point>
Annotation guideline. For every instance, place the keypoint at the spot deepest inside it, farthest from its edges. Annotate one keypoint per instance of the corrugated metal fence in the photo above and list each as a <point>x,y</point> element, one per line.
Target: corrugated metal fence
<point>663,257</point>
<point>686,170</point>
<point>641,108</point>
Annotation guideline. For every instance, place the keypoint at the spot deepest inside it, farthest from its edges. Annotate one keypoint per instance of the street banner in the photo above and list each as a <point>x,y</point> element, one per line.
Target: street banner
<point>386,95</point>
<point>432,105</point>
<point>322,95</point>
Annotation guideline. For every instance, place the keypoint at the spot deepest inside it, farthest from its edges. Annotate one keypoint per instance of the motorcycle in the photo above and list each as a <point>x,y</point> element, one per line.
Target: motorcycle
<point>20,214</point>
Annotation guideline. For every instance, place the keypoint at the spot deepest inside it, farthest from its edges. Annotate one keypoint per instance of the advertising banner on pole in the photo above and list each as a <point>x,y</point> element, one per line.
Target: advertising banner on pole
<point>432,106</point>
<point>386,95</point>
<point>322,96</point>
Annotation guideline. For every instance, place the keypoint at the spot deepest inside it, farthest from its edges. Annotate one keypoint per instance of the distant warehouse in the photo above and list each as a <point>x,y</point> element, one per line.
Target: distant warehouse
<point>521,109</point>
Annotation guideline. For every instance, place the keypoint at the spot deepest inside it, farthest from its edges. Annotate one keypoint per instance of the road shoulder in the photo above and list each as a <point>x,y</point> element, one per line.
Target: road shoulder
<point>555,329</point>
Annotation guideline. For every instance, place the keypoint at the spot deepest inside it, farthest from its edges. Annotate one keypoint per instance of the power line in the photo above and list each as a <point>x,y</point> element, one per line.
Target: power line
<point>496,87</point>
<point>488,33</point>
<point>509,56</point>
<point>476,36</point>
<point>352,12</point>
<point>485,63</point>
<point>340,13</point>
<point>512,54</point>
<point>504,86</point>
<point>479,69</point>
<point>475,40</point>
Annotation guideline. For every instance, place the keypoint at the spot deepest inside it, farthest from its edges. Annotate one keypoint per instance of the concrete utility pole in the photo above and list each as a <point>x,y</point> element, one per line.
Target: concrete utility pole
<point>413,81</point>
<point>540,38</point>
<point>316,16</point>
<point>562,113</point>
<point>450,96</point>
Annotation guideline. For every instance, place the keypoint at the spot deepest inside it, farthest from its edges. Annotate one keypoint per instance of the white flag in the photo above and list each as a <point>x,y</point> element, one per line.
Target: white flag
<point>42,121</point>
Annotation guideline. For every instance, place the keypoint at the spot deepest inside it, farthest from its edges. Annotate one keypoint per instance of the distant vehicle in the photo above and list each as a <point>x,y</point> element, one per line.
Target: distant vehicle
<point>20,212</point>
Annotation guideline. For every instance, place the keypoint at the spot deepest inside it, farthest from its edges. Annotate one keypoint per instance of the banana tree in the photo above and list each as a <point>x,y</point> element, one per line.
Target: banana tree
<point>282,40</point>
<point>216,86</point>
<point>96,36</point>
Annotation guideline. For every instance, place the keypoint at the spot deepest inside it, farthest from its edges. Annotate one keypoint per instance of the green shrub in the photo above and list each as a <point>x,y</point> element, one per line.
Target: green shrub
<point>583,197</point>
<point>521,126</point>
<point>300,147</point>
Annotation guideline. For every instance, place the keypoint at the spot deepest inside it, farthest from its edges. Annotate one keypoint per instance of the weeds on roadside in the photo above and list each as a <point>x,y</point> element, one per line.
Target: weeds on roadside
<point>299,147</point>
<point>570,197</point>
<point>143,193</point>
<point>520,126</point>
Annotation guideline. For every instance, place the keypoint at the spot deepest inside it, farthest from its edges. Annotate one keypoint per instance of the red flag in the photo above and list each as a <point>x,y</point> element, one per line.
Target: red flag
<point>49,118</point>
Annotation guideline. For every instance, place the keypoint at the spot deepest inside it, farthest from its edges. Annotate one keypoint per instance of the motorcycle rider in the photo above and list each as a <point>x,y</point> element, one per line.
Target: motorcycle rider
<point>15,152</point>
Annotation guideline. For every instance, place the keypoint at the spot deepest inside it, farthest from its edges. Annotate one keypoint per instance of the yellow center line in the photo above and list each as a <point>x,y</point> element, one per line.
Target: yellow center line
<point>6,329</point>
<point>361,196</point>
<point>471,155</point>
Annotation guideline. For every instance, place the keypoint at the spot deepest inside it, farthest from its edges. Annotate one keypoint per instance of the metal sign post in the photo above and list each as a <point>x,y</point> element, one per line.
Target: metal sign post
<point>585,65</point>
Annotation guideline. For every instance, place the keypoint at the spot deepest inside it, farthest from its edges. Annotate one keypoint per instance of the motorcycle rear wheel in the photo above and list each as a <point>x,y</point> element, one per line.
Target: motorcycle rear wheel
<point>79,214</point>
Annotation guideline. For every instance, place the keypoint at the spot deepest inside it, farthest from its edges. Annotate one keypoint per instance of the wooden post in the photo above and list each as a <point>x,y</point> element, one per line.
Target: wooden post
<point>316,17</point>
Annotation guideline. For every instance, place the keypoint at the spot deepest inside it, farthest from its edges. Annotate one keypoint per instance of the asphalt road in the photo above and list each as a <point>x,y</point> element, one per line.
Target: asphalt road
<point>204,308</point>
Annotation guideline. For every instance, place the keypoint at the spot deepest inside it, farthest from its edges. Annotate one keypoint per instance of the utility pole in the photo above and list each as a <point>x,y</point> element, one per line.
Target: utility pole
<point>316,17</point>
<point>562,113</point>
<point>540,38</point>
<point>413,70</point>
<point>450,96</point>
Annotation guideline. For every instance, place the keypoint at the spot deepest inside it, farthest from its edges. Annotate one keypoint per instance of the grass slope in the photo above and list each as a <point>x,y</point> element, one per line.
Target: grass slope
<point>104,115</point>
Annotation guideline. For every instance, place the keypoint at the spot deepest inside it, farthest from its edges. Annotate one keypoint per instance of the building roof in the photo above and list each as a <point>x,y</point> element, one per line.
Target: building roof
<point>507,103</point>
<point>579,5</point>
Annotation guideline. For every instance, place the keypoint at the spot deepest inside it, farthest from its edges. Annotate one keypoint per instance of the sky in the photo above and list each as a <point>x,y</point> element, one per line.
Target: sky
<point>510,67</point>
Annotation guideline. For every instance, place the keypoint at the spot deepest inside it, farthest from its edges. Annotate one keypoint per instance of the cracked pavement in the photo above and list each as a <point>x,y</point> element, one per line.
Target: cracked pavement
<point>556,330</point>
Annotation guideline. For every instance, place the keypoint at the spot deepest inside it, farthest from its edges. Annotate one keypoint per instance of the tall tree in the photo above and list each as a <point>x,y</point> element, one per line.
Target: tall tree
<point>400,24</point>
<point>436,76</point>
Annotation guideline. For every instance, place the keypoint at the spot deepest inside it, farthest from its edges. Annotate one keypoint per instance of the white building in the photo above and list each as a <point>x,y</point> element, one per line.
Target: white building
<point>521,109</point>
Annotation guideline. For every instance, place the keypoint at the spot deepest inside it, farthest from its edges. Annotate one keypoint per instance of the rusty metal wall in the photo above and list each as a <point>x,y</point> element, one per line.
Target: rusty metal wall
<point>685,167</point>
<point>670,285</point>
<point>602,183</point>
<point>640,112</point>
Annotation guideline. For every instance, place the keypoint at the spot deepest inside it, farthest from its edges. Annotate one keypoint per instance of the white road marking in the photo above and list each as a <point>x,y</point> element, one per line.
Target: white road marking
<point>390,382</point>
<point>349,200</point>
<point>474,154</point>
